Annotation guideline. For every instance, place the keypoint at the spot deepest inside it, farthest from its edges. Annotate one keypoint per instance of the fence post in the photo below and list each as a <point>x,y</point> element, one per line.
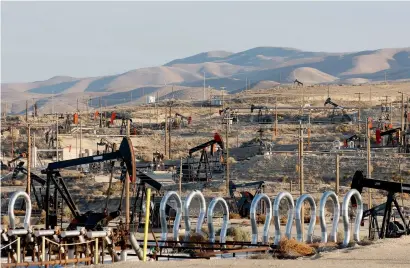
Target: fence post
<point>18,250</point>
<point>96,251</point>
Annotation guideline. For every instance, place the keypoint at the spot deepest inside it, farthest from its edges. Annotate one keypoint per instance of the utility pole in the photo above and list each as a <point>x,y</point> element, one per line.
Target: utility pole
<point>227,156</point>
<point>370,96</point>
<point>131,95</point>
<point>100,113</point>
<point>77,106</point>
<point>169,132</point>
<point>26,110</point>
<point>57,137</point>
<point>204,88</point>
<point>127,188</point>
<point>301,179</point>
<point>276,116</point>
<point>402,112</point>
<point>358,112</point>
<point>368,160</point>
<point>28,160</point>
<point>166,131</point>
<point>81,135</point>
<point>180,178</point>
<point>223,102</point>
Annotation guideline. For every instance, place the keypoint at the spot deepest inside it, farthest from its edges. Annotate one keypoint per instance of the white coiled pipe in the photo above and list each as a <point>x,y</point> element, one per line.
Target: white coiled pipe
<point>225,222</point>
<point>299,218</point>
<point>202,212</point>
<point>12,202</point>
<point>345,215</point>
<point>163,216</point>
<point>268,218</point>
<point>322,216</point>
<point>276,216</point>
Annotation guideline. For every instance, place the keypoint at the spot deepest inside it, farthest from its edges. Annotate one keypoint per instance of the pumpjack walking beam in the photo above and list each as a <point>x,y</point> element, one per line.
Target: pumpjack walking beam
<point>359,182</point>
<point>125,154</point>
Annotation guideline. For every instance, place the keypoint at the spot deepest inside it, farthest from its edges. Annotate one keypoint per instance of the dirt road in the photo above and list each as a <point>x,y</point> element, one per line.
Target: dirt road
<point>389,252</point>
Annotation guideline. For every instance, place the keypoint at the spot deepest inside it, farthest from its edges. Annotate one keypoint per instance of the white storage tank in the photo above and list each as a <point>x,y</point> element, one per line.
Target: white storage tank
<point>150,99</point>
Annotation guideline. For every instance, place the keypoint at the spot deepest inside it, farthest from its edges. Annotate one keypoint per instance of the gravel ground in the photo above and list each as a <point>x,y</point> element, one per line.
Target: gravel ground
<point>381,254</point>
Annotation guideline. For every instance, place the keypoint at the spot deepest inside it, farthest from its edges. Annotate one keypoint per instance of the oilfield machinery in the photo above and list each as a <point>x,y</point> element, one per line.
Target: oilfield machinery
<point>181,120</point>
<point>345,118</point>
<point>229,115</point>
<point>388,228</point>
<point>242,204</point>
<point>264,114</point>
<point>209,163</point>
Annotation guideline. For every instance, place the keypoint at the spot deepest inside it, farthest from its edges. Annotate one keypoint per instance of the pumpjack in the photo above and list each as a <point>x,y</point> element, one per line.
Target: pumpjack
<point>202,170</point>
<point>353,141</point>
<point>388,229</point>
<point>90,220</point>
<point>243,204</point>
<point>187,119</point>
<point>298,83</point>
<point>345,116</point>
<point>261,117</point>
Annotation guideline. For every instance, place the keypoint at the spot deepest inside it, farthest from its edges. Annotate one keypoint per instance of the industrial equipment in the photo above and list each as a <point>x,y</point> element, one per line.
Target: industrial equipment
<point>298,83</point>
<point>388,228</point>
<point>345,116</point>
<point>158,161</point>
<point>228,113</point>
<point>89,220</point>
<point>178,123</point>
<point>266,118</point>
<point>242,204</point>
<point>202,170</point>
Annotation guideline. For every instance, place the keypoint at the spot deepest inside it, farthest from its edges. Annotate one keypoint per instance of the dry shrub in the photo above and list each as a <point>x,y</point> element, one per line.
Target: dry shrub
<point>365,242</point>
<point>234,216</point>
<point>291,247</point>
<point>283,220</point>
<point>97,192</point>
<point>18,212</point>
<point>5,220</point>
<point>261,218</point>
<point>238,234</point>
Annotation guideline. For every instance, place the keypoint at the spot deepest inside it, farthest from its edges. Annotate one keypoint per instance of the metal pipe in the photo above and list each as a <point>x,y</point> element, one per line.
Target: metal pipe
<point>70,233</point>
<point>146,224</point>
<point>345,216</point>
<point>27,216</point>
<point>299,218</point>
<point>336,216</point>
<point>136,246</point>
<point>268,218</point>
<point>276,215</point>
<point>225,223</point>
<point>163,216</point>
<point>44,233</point>
<point>202,212</point>
<point>17,232</point>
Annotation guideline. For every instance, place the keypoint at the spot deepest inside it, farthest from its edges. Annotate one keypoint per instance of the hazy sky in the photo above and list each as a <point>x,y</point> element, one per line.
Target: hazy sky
<point>44,39</point>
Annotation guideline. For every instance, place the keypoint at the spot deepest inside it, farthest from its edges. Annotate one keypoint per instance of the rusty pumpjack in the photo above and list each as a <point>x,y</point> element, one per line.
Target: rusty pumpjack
<point>90,220</point>
<point>243,205</point>
<point>345,116</point>
<point>389,228</point>
<point>203,171</point>
<point>182,117</point>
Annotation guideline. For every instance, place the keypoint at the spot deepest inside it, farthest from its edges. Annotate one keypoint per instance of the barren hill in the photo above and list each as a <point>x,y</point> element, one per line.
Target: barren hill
<point>221,69</point>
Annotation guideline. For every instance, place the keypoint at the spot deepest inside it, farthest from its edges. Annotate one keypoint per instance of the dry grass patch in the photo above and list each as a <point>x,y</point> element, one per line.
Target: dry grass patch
<point>293,248</point>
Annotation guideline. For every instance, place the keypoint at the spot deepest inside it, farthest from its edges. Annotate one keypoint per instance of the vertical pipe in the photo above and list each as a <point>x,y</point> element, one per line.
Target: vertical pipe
<point>276,117</point>
<point>169,132</point>
<point>26,110</point>
<point>96,255</point>
<point>18,249</point>
<point>301,179</point>
<point>402,112</point>
<point>28,159</point>
<point>337,174</point>
<point>81,136</point>
<point>166,132</point>
<point>56,137</point>
<point>227,158</point>
<point>180,178</point>
<point>43,248</point>
<point>147,212</point>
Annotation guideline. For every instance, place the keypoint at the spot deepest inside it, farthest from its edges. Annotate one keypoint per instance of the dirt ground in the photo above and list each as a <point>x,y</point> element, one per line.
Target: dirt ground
<point>382,254</point>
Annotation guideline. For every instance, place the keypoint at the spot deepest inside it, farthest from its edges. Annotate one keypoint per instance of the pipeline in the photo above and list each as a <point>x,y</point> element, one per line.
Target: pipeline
<point>336,216</point>
<point>299,218</point>
<point>136,246</point>
<point>225,223</point>
<point>163,216</point>
<point>276,216</point>
<point>345,215</point>
<point>12,202</point>
<point>202,212</point>
<point>268,218</point>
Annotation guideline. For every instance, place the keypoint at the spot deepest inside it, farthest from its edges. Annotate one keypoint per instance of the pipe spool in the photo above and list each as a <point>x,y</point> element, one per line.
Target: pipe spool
<point>276,215</point>
<point>163,216</point>
<point>268,218</point>
<point>210,221</point>
<point>345,215</point>
<point>322,216</point>
<point>27,216</point>
<point>201,216</point>
<point>299,218</point>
